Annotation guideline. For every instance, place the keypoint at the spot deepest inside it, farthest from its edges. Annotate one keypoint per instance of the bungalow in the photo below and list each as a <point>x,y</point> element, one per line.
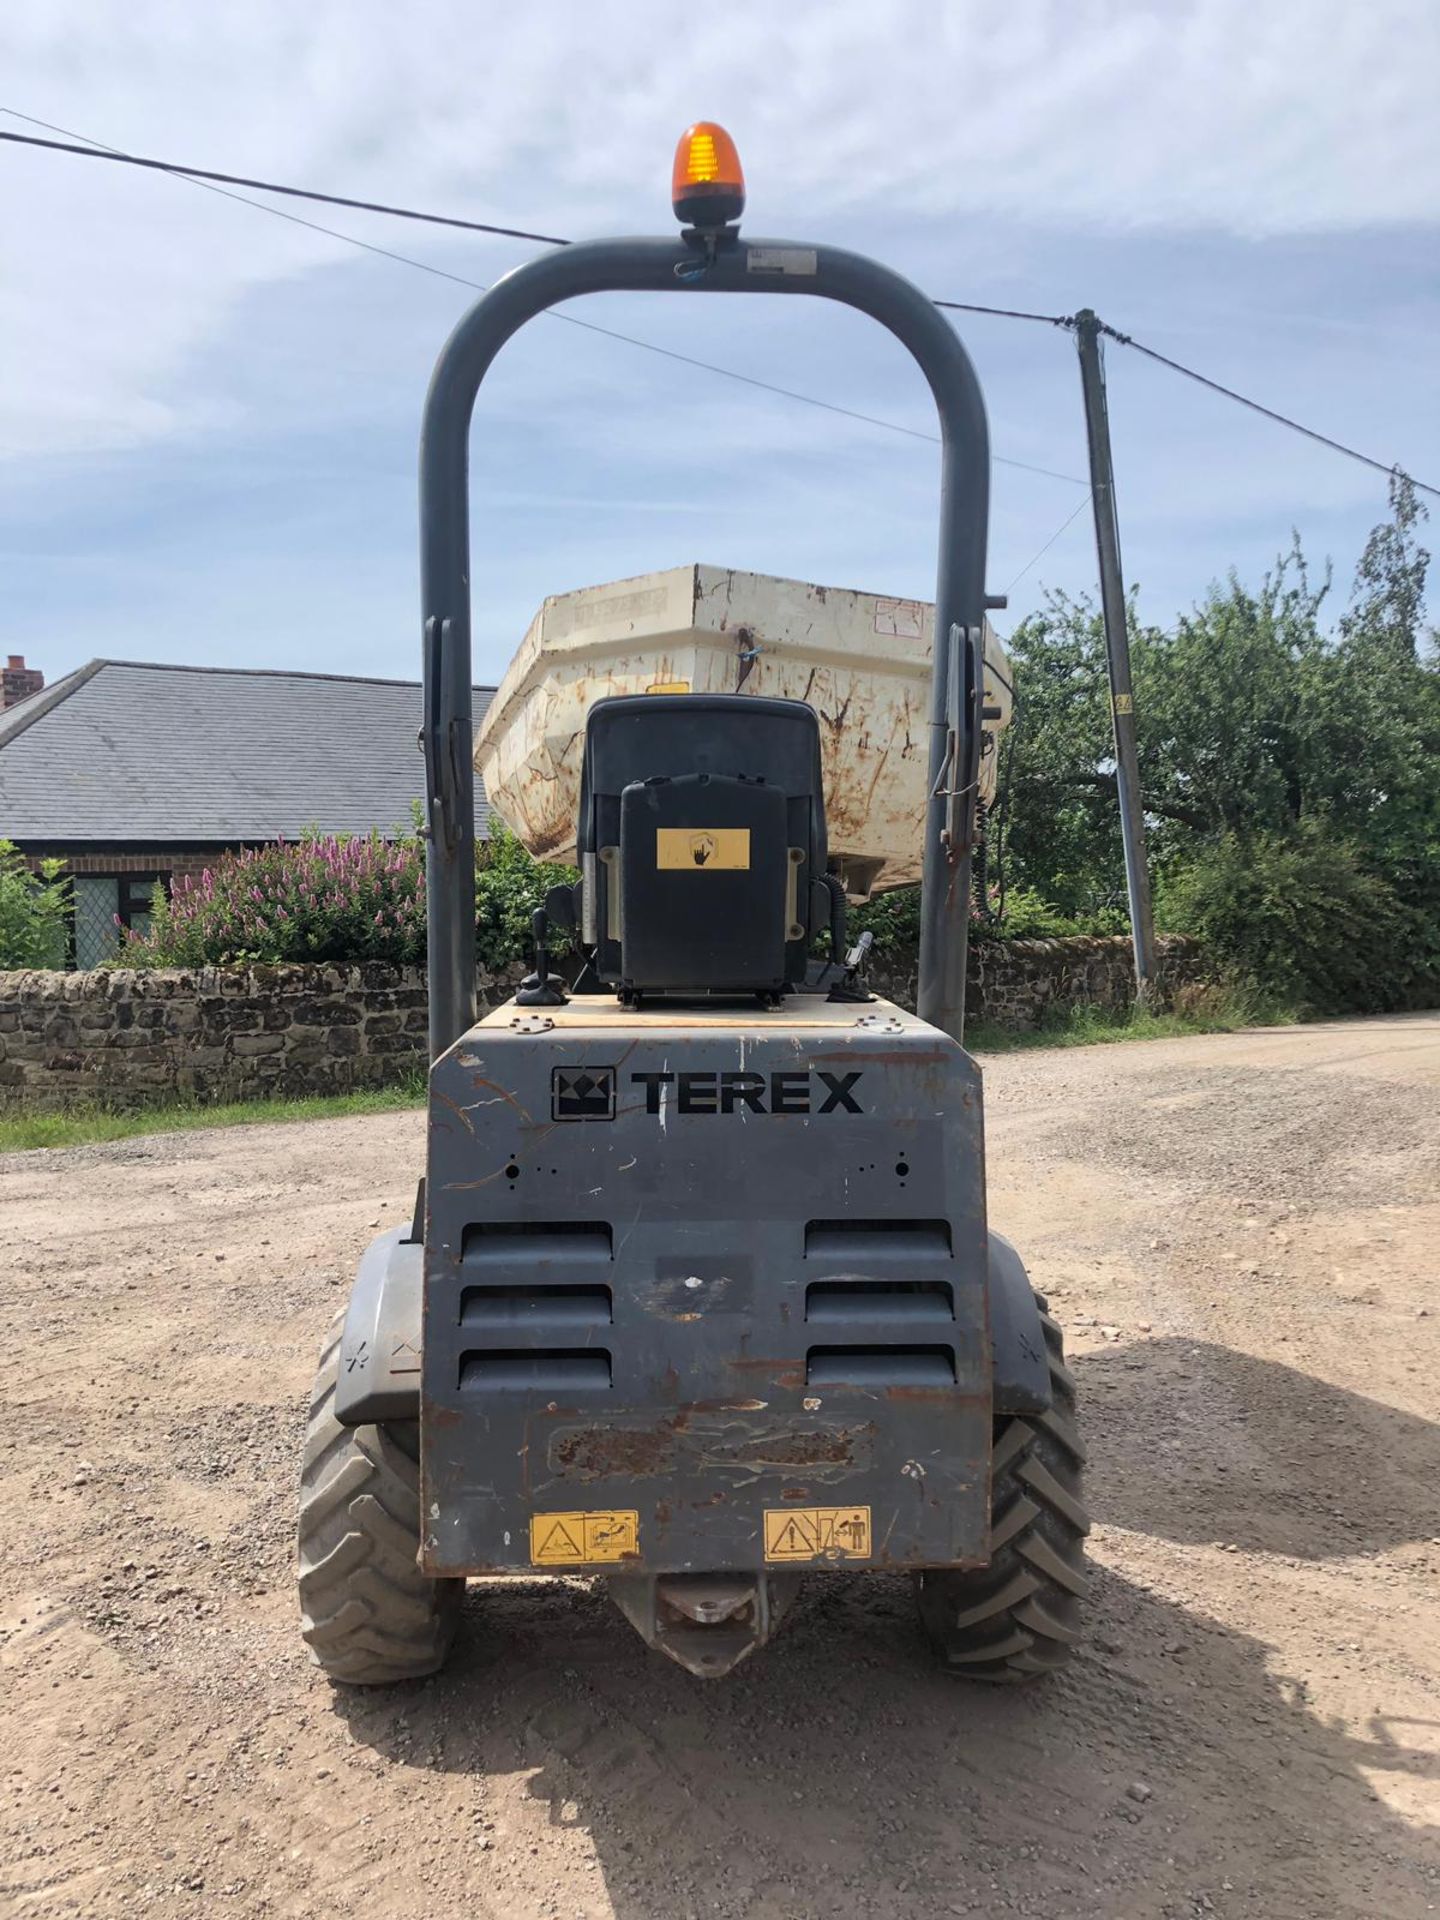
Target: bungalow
<point>132,774</point>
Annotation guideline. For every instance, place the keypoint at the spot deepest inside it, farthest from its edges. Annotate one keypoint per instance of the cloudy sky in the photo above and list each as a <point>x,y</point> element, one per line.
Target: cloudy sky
<point>208,414</point>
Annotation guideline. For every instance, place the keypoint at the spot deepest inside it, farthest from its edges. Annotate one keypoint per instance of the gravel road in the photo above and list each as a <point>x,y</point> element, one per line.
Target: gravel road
<point>1241,1236</point>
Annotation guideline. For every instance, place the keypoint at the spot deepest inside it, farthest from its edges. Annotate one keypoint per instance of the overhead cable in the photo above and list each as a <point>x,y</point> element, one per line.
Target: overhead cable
<point>220,182</point>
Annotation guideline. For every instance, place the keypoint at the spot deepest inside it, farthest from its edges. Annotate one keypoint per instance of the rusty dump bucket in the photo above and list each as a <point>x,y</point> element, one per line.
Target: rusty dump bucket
<point>862,660</point>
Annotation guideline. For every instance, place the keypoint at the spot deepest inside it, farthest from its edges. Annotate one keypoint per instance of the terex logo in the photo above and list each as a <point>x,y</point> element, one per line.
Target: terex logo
<point>798,1092</point>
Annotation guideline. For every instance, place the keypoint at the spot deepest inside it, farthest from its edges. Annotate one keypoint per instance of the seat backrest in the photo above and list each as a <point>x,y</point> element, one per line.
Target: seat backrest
<point>702,842</point>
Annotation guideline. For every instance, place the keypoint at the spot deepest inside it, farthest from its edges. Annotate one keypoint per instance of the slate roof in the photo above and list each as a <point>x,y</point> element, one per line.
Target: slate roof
<point>120,752</point>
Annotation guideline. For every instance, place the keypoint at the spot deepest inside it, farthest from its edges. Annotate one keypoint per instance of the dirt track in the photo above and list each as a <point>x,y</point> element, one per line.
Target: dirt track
<point>1241,1235</point>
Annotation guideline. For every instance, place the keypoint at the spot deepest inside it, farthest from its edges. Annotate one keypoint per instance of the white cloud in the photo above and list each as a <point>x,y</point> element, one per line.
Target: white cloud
<point>1302,116</point>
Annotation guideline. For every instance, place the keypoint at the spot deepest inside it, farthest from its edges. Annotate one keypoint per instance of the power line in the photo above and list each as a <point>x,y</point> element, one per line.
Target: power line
<point>1005,313</point>
<point>1281,419</point>
<point>208,181</point>
<point>1064,527</point>
<point>219,182</point>
<point>98,151</point>
<point>296,220</point>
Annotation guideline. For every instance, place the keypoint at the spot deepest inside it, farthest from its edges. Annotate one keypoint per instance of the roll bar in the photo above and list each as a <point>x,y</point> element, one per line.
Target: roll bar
<point>685,264</point>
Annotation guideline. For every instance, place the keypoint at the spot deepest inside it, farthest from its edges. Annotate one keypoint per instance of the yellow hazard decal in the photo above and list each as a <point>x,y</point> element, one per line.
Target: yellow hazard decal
<point>668,686</point>
<point>703,849</point>
<point>582,1539</point>
<point>817,1533</point>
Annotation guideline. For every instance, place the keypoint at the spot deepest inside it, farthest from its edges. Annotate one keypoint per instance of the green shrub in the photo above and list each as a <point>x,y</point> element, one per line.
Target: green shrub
<point>1028,915</point>
<point>894,919</point>
<point>509,885</point>
<point>1298,918</point>
<point>34,911</point>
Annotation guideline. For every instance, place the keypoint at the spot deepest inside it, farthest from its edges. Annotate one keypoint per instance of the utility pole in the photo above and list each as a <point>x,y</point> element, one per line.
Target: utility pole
<point>1117,650</point>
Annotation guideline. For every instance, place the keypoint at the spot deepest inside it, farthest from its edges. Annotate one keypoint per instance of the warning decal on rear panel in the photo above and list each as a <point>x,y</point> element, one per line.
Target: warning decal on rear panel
<point>817,1533</point>
<point>582,1539</point>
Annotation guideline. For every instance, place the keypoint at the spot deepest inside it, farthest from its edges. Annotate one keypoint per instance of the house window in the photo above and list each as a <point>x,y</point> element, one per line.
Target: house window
<point>101,901</point>
<point>137,897</point>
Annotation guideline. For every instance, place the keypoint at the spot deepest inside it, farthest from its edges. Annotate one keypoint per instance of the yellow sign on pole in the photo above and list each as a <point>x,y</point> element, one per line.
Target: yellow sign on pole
<point>583,1539</point>
<point>817,1533</point>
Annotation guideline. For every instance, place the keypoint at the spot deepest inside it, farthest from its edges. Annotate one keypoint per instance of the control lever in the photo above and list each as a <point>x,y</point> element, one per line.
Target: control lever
<point>541,988</point>
<point>852,987</point>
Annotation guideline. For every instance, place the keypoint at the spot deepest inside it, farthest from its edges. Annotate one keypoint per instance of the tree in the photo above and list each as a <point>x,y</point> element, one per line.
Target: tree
<point>1056,828</point>
<point>1388,604</point>
<point>1266,743</point>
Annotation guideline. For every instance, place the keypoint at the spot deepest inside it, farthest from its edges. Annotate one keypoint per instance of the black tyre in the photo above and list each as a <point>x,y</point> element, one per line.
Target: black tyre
<point>1019,1617</point>
<point>368,1614</point>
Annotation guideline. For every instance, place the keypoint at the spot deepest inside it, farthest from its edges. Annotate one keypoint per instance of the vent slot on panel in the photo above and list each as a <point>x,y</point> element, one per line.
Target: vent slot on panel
<point>536,1243</point>
<point>539,1370</point>
<point>880,1367</point>
<point>879,1300</point>
<point>561,1305</point>
<point>847,1243</point>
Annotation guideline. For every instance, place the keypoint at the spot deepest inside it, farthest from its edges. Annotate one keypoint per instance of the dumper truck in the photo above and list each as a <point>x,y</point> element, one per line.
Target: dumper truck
<point>700,1298</point>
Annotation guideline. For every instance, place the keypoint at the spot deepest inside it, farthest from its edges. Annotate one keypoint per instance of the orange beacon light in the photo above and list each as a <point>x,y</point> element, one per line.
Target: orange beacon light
<point>707,187</point>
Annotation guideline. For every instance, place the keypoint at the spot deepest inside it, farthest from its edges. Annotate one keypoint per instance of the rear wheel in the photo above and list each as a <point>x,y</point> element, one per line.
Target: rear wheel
<point>368,1614</point>
<point>1019,1617</point>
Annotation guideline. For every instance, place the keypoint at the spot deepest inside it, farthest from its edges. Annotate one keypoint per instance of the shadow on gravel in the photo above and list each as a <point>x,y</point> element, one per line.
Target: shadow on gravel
<point>1169,1774</point>
<point>1248,1453</point>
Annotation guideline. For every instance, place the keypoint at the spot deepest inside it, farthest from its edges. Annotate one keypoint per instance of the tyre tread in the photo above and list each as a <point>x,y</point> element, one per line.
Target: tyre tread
<point>1019,1617</point>
<point>368,1614</point>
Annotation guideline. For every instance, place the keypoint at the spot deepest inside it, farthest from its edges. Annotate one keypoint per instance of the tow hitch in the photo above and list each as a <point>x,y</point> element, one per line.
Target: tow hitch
<point>707,1622</point>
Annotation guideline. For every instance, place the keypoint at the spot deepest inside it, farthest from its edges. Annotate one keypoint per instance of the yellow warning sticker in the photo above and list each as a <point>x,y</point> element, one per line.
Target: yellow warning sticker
<point>817,1533</point>
<point>582,1539</point>
<point>711,849</point>
<point>668,686</point>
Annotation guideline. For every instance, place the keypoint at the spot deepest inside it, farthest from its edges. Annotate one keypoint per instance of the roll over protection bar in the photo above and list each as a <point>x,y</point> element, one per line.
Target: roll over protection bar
<point>686,264</point>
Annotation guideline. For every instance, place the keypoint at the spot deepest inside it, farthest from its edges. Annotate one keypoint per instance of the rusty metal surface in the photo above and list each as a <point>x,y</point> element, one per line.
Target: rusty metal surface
<point>688,1442</point>
<point>615,1310</point>
<point>862,661</point>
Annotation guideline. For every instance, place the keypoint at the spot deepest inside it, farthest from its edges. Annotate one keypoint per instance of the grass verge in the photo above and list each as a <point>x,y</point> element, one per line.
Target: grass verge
<point>1215,1010</point>
<point>87,1126</point>
<point>1212,1011</point>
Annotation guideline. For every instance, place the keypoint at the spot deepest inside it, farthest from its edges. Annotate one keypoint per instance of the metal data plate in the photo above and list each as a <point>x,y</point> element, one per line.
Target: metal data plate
<point>705,1291</point>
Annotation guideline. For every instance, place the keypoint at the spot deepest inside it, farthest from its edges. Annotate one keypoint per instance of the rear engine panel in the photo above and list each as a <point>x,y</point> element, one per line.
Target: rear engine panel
<point>704,1291</point>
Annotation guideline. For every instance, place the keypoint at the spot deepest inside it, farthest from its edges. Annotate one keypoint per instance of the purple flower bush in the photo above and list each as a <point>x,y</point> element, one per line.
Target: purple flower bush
<point>338,898</point>
<point>326,897</point>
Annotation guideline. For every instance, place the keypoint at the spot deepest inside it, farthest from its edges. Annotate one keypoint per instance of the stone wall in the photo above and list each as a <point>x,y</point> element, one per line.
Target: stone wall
<point>134,1038</point>
<point>124,1038</point>
<point>1020,984</point>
